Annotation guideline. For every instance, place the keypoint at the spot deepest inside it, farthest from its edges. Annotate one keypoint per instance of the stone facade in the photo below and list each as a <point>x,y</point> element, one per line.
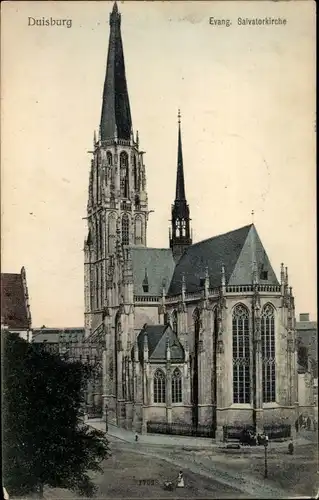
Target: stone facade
<point>234,321</point>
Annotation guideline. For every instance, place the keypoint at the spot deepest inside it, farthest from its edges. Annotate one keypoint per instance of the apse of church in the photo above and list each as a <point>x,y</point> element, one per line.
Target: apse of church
<point>201,334</point>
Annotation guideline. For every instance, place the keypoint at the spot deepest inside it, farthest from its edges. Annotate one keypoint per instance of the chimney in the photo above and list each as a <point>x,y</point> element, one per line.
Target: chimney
<point>304,317</point>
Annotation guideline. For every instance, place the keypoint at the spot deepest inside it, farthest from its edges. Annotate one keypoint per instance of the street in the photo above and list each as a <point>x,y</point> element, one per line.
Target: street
<point>140,469</point>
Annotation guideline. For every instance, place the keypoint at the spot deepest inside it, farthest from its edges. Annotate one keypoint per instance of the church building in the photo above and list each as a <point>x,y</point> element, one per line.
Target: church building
<point>198,333</point>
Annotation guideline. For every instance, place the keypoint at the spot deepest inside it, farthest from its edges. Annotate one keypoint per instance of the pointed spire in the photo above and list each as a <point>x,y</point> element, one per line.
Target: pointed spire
<point>183,287</point>
<point>255,273</point>
<point>145,357</point>
<point>180,237</point>
<point>180,183</point>
<point>116,113</point>
<point>282,274</point>
<point>168,350</point>
<point>223,278</point>
<point>286,276</point>
<point>137,139</point>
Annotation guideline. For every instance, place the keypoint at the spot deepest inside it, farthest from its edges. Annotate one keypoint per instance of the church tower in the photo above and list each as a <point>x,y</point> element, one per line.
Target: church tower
<point>117,209</point>
<point>180,233</point>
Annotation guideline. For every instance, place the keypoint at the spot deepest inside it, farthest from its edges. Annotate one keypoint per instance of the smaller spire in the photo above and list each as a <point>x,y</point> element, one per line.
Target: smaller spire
<point>145,357</point>
<point>183,287</point>
<point>286,276</point>
<point>282,274</point>
<point>223,278</point>
<point>168,350</point>
<point>115,8</point>
<point>255,273</point>
<point>206,285</point>
<point>137,139</point>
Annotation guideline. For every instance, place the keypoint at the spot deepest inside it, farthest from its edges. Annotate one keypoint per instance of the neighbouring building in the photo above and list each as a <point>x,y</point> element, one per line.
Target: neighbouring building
<point>307,341</point>
<point>58,340</point>
<point>15,307</point>
<point>201,334</point>
<point>71,345</point>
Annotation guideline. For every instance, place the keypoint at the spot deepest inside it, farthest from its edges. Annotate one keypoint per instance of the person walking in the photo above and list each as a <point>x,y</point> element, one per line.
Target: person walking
<point>180,480</point>
<point>291,447</point>
<point>136,437</point>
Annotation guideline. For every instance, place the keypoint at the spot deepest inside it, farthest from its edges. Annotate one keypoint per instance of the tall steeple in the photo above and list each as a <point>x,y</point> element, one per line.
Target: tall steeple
<point>180,237</point>
<point>116,118</point>
<point>180,183</point>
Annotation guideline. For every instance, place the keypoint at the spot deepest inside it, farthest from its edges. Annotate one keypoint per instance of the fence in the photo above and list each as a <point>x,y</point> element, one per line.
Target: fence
<point>180,429</point>
<point>235,432</point>
<point>278,431</point>
<point>272,431</point>
<point>94,411</point>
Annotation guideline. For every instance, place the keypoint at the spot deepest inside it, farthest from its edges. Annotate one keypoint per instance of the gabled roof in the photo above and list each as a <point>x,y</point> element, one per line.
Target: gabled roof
<point>14,310</point>
<point>157,341</point>
<point>56,335</point>
<point>236,250</point>
<point>155,263</point>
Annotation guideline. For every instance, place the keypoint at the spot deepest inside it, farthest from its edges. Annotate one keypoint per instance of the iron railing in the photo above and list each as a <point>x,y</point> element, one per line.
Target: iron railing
<point>180,429</point>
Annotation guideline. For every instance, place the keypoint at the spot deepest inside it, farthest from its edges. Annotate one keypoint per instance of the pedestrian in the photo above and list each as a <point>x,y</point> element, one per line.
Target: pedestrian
<point>291,447</point>
<point>297,425</point>
<point>136,437</point>
<point>308,423</point>
<point>315,425</point>
<point>180,480</point>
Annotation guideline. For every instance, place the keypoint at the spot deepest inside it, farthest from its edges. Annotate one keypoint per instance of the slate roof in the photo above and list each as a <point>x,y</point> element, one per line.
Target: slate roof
<point>14,313</point>
<point>233,250</point>
<point>158,264</point>
<point>116,113</point>
<point>157,337</point>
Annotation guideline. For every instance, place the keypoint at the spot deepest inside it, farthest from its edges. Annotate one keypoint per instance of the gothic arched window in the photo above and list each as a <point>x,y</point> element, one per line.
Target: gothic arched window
<point>183,231</point>
<point>241,355</point>
<point>97,288</point>
<point>177,228</point>
<point>268,354</point>
<point>111,233</point>
<point>135,174</point>
<point>124,174</point>
<point>125,230</point>
<point>196,318</point>
<point>176,386</point>
<point>109,158</point>
<point>138,230</point>
<point>159,387</point>
<point>174,321</point>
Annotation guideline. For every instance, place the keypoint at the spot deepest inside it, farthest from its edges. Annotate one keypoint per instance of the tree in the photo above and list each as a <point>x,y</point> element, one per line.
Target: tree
<point>45,439</point>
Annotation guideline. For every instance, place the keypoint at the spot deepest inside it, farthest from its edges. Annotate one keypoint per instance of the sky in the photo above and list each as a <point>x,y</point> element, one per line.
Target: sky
<point>247,100</point>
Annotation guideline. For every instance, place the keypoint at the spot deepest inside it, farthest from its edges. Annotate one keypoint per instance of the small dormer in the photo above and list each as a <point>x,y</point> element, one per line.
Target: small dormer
<point>145,283</point>
<point>263,273</point>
